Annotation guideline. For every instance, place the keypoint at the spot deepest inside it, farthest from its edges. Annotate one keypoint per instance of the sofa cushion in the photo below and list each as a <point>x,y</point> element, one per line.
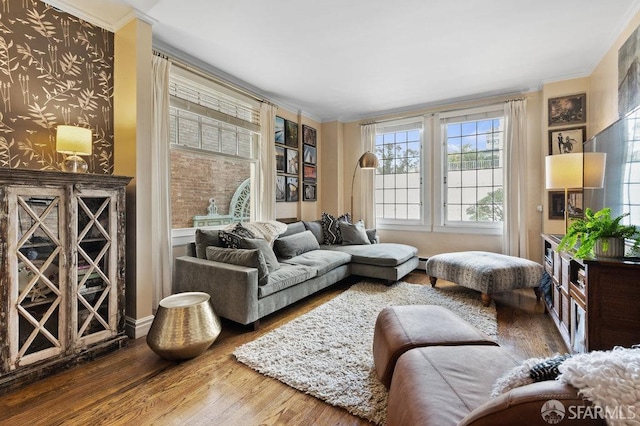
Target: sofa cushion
<point>383,254</point>
<point>285,277</point>
<point>331,229</point>
<point>442,384</point>
<point>316,229</point>
<point>293,228</point>
<point>296,244</point>
<point>353,233</point>
<point>205,239</point>
<point>241,257</point>
<point>264,246</point>
<point>321,260</point>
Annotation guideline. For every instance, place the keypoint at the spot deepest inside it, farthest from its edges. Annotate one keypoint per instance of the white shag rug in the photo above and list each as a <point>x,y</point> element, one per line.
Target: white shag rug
<point>327,351</point>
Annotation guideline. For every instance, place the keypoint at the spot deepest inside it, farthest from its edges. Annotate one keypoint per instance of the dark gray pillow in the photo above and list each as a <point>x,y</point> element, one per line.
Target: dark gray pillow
<point>205,239</point>
<point>372,234</point>
<point>293,228</point>
<point>296,244</point>
<point>241,257</point>
<point>316,229</point>
<point>353,233</point>
<point>267,252</point>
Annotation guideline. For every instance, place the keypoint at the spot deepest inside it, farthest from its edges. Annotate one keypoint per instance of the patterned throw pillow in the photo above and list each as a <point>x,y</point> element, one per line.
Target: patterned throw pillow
<point>547,369</point>
<point>331,229</point>
<point>231,237</point>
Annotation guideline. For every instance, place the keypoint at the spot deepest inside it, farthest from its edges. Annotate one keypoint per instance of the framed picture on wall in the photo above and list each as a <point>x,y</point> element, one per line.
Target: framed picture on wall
<point>291,133</point>
<point>309,192</point>
<point>279,136</point>
<point>292,161</point>
<point>308,135</point>
<point>564,141</point>
<point>280,159</point>
<point>309,173</point>
<point>556,204</point>
<point>292,188</point>
<point>281,190</point>
<point>309,154</point>
<point>568,110</point>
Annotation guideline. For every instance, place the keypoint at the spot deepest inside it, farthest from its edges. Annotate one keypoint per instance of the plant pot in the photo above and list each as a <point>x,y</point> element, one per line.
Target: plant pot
<point>614,247</point>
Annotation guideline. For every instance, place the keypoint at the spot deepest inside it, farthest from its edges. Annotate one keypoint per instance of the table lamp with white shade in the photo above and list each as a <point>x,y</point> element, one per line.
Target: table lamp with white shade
<point>73,141</point>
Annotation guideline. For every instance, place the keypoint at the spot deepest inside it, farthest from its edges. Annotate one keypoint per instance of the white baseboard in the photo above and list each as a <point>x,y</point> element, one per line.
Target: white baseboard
<point>136,328</point>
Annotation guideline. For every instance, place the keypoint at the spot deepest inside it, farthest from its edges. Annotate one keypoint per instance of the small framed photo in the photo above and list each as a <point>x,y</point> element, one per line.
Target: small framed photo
<point>281,190</point>
<point>309,192</point>
<point>292,188</point>
<point>564,141</point>
<point>291,133</point>
<point>309,173</point>
<point>280,159</point>
<point>279,136</point>
<point>308,135</point>
<point>292,161</point>
<point>556,204</point>
<point>309,154</point>
<point>568,110</point>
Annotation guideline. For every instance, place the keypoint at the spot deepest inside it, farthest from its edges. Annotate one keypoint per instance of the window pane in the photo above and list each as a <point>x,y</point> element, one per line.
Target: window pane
<point>401,211</point>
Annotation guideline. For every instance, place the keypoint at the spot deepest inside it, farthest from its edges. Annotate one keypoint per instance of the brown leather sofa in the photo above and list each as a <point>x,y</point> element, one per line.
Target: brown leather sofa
<point>439,378</point>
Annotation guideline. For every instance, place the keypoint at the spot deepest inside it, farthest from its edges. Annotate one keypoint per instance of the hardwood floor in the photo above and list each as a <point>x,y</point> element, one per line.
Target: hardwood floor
<point>135,386</point>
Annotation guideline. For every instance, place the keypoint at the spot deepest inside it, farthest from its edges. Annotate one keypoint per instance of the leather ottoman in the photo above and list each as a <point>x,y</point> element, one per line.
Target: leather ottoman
<point>401,328</point>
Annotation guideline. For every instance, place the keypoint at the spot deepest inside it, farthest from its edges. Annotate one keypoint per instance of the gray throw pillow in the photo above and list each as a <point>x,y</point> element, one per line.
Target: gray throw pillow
<point>267,252</point>
<point>316,229</point>
<point>205,239</point>
<point>294,245</point>
<point>241,257</point>
<point>372,234</point>
<point>353,234</point>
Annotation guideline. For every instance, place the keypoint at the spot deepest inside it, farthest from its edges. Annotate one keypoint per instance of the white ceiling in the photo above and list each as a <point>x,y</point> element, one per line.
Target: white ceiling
<point>351,59</point>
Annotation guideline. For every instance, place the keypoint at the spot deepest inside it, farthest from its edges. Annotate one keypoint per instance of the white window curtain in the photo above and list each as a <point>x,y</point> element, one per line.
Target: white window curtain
<point>161,190</point>
<point>367,179</point>
<point>265,200</point>
<point>514,237</point>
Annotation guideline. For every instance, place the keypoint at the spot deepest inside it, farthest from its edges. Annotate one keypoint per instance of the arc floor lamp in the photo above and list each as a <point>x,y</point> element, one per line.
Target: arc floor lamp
<point>368,160</point>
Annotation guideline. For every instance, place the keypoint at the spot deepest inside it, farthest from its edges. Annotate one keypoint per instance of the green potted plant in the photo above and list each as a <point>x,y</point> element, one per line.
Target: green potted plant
<point>598,234</point>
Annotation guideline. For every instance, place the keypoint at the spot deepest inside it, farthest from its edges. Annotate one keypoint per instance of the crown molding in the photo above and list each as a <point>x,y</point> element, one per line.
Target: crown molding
<point>87,15</point>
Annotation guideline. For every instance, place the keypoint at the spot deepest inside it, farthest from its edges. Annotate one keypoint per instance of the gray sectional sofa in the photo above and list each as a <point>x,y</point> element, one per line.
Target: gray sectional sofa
<point>255,280</point>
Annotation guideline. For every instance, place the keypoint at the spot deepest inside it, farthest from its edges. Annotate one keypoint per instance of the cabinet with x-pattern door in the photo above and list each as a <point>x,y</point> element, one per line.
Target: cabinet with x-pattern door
<point>62,270</point>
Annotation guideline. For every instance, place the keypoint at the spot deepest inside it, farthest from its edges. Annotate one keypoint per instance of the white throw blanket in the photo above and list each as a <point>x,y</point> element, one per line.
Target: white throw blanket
<point>269,230</point>
<point>610,380</point>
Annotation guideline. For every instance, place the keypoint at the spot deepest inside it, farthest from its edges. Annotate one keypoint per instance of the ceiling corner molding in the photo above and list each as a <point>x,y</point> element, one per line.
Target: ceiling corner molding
<point>86,15</point>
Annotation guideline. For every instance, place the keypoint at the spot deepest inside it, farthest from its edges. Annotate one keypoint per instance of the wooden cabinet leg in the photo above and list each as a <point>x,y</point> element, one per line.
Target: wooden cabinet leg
<point>433,281</point>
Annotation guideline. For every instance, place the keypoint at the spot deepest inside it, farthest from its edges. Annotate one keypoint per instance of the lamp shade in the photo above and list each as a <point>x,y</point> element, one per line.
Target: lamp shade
<point>368,160</point>
<point>73,140</point>
<point>563,171</point>
<point>594,167</point>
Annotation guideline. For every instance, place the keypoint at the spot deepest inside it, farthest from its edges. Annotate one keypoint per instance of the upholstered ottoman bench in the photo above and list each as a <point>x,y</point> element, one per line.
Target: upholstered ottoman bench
<point>401,328</point>
<point>486,272</point>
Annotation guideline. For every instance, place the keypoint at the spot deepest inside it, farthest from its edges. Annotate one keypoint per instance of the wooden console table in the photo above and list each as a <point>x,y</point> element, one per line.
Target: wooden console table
<point>594,303</point>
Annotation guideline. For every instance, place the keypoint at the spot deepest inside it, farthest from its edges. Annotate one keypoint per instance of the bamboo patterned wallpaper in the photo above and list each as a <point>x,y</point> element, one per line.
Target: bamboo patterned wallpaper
<point>54,69</point>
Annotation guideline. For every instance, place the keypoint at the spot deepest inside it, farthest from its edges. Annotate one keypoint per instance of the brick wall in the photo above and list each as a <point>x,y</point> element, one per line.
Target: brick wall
<point>196,178</point>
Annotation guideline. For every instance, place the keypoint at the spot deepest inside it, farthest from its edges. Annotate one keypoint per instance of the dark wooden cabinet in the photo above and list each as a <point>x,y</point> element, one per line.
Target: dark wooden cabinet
<point>594,303</point>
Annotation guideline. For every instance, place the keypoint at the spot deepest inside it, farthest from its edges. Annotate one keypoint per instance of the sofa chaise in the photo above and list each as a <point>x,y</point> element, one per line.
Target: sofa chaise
<point>301,263</point>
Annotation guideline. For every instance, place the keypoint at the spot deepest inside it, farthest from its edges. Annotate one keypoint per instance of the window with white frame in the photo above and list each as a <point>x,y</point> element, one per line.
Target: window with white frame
<point>473,147</point>
<point>214,137</point>
<point>398,181</point>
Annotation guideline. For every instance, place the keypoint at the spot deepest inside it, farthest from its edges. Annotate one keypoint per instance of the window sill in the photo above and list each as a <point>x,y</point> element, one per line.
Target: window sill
<point>476,230</point>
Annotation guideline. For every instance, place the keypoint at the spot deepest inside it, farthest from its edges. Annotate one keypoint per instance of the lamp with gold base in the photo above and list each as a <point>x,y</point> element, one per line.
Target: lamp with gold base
<point>368,160</point>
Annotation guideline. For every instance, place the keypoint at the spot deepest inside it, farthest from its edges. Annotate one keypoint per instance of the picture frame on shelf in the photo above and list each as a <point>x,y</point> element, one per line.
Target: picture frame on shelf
<point>309,155</point>
<point>281,190</point>
<point>291,133</point>
<point>564,141</point>
<point>280,159</point>
<point>293,161</point>
<point>279,130</point>
<point>309,135</point>
<point>309,192</point>
<point>566,110</point>
<point>556,204</point>
<point>292,189</point>
<point>309,173</point>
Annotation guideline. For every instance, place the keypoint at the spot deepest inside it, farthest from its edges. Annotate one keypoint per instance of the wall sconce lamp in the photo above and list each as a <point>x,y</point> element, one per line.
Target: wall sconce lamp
<point>367,161</point>
<point>74,141</point>
<point>577,170</point>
